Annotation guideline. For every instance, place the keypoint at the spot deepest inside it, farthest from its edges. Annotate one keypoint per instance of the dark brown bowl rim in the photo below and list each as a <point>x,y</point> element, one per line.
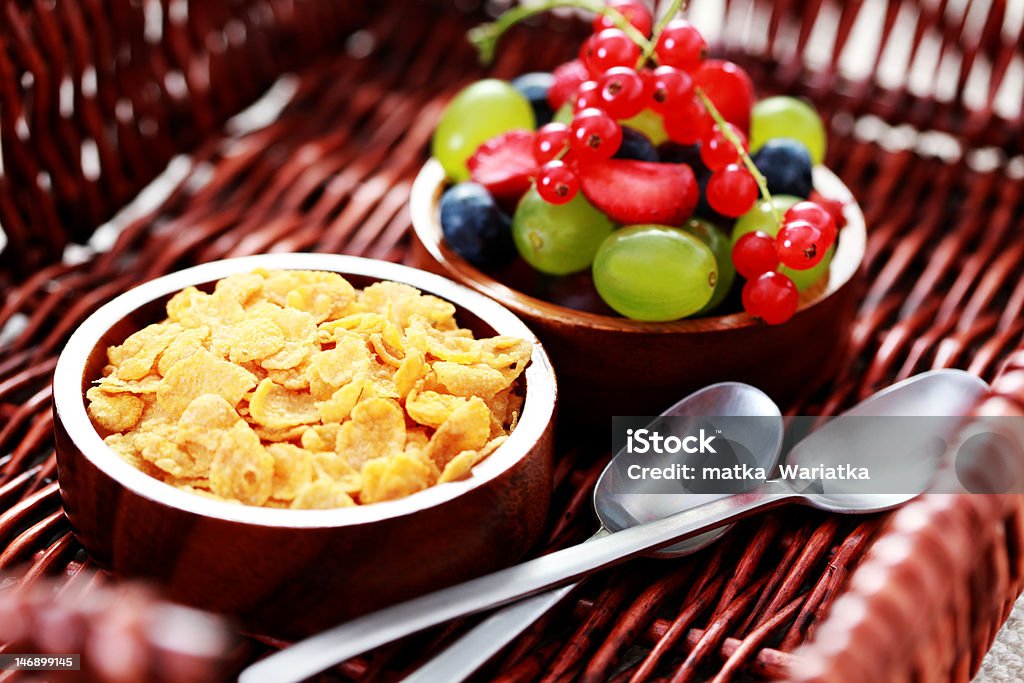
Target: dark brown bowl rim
<point>426,193</point>
<point>69,403</point>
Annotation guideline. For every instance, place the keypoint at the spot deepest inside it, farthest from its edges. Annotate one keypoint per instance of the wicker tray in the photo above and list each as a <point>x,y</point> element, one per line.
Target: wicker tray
<point>139,83</point>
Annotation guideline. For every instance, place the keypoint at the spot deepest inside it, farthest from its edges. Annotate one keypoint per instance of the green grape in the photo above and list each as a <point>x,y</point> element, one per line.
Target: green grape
<point>564,114</point>
<point>721,247</point>
<point>478,113</point>
<point>650,124</point>
<point>788,117</point>
<point>558,239</point>
<point>655,273</point>
<point>762,218</point>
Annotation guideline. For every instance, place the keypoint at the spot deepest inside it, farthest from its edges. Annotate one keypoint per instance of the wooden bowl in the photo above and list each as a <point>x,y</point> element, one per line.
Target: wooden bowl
<point>615,366</point>
<point>292,572</point>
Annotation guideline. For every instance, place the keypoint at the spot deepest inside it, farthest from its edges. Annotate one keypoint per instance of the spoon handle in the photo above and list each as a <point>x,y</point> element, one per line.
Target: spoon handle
<point>467,654</point>
<point>364,633</point>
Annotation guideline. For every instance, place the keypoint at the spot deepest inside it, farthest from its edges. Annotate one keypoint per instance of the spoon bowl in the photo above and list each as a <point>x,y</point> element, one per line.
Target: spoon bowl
<point>902,459</point>
<point>760,434</point>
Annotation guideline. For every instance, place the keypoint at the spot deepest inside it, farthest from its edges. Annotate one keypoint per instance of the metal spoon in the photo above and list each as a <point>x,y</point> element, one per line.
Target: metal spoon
<point>463,657</point>
<point>486,639</point>
<point>939,393</point>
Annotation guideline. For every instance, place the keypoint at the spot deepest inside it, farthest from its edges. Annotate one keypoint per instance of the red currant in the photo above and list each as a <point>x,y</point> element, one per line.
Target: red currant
<point>668,88</point>
<point>595,135</point>
<point>833,206</point>
<point>608,49</point>
<point>772,297</point>
<point>687,123</point>
<point>621,92</point>
<point>551,140</point>
<point>681,45</point>
<point>557,183</point>
<point>730,88</point>
<point>635,12</point>
<point>818,216</point>
<point>754,253</point>
<point>718,152</point>
<point>568,79</point>
<point>732,191</point>
<point>800,245</point>
<point>588,97</point>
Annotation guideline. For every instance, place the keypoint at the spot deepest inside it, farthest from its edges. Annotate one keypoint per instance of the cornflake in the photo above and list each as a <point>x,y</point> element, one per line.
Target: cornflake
<point>293,389</point>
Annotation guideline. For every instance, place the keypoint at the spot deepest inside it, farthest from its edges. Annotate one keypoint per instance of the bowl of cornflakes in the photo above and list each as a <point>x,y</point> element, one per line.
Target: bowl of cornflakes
<point>295,439</point>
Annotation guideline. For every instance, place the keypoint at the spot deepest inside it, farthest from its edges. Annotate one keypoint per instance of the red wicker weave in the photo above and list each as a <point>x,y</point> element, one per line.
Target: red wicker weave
<point>332,172</point>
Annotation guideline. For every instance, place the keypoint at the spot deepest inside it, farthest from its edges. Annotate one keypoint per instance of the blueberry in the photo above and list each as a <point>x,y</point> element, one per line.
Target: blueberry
<point>671,153</point>
<point>476,227</point>
<point>637,146</point>
<point>786,165</point>
<point>534,87</point>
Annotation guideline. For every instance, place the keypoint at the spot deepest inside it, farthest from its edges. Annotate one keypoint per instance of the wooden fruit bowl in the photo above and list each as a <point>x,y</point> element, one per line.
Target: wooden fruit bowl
<point>292,572</point>
<point>615,366</point>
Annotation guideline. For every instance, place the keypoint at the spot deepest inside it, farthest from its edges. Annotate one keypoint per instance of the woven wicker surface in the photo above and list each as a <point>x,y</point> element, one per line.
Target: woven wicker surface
<point>331,172</point>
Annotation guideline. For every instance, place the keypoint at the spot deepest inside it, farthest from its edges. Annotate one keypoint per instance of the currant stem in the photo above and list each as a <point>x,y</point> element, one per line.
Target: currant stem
<point>723,125</point>
<point>485,37</point>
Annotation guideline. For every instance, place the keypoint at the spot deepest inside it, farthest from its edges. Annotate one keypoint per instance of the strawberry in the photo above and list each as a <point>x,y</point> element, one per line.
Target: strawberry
<point>632,192</point>
<point>505,165</point>
<point>568,79</point>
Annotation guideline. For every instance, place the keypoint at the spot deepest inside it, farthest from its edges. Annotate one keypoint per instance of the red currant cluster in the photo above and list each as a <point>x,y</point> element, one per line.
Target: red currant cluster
<point>611,82</point>
<point>808,230</point>
<point>649,133</point>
